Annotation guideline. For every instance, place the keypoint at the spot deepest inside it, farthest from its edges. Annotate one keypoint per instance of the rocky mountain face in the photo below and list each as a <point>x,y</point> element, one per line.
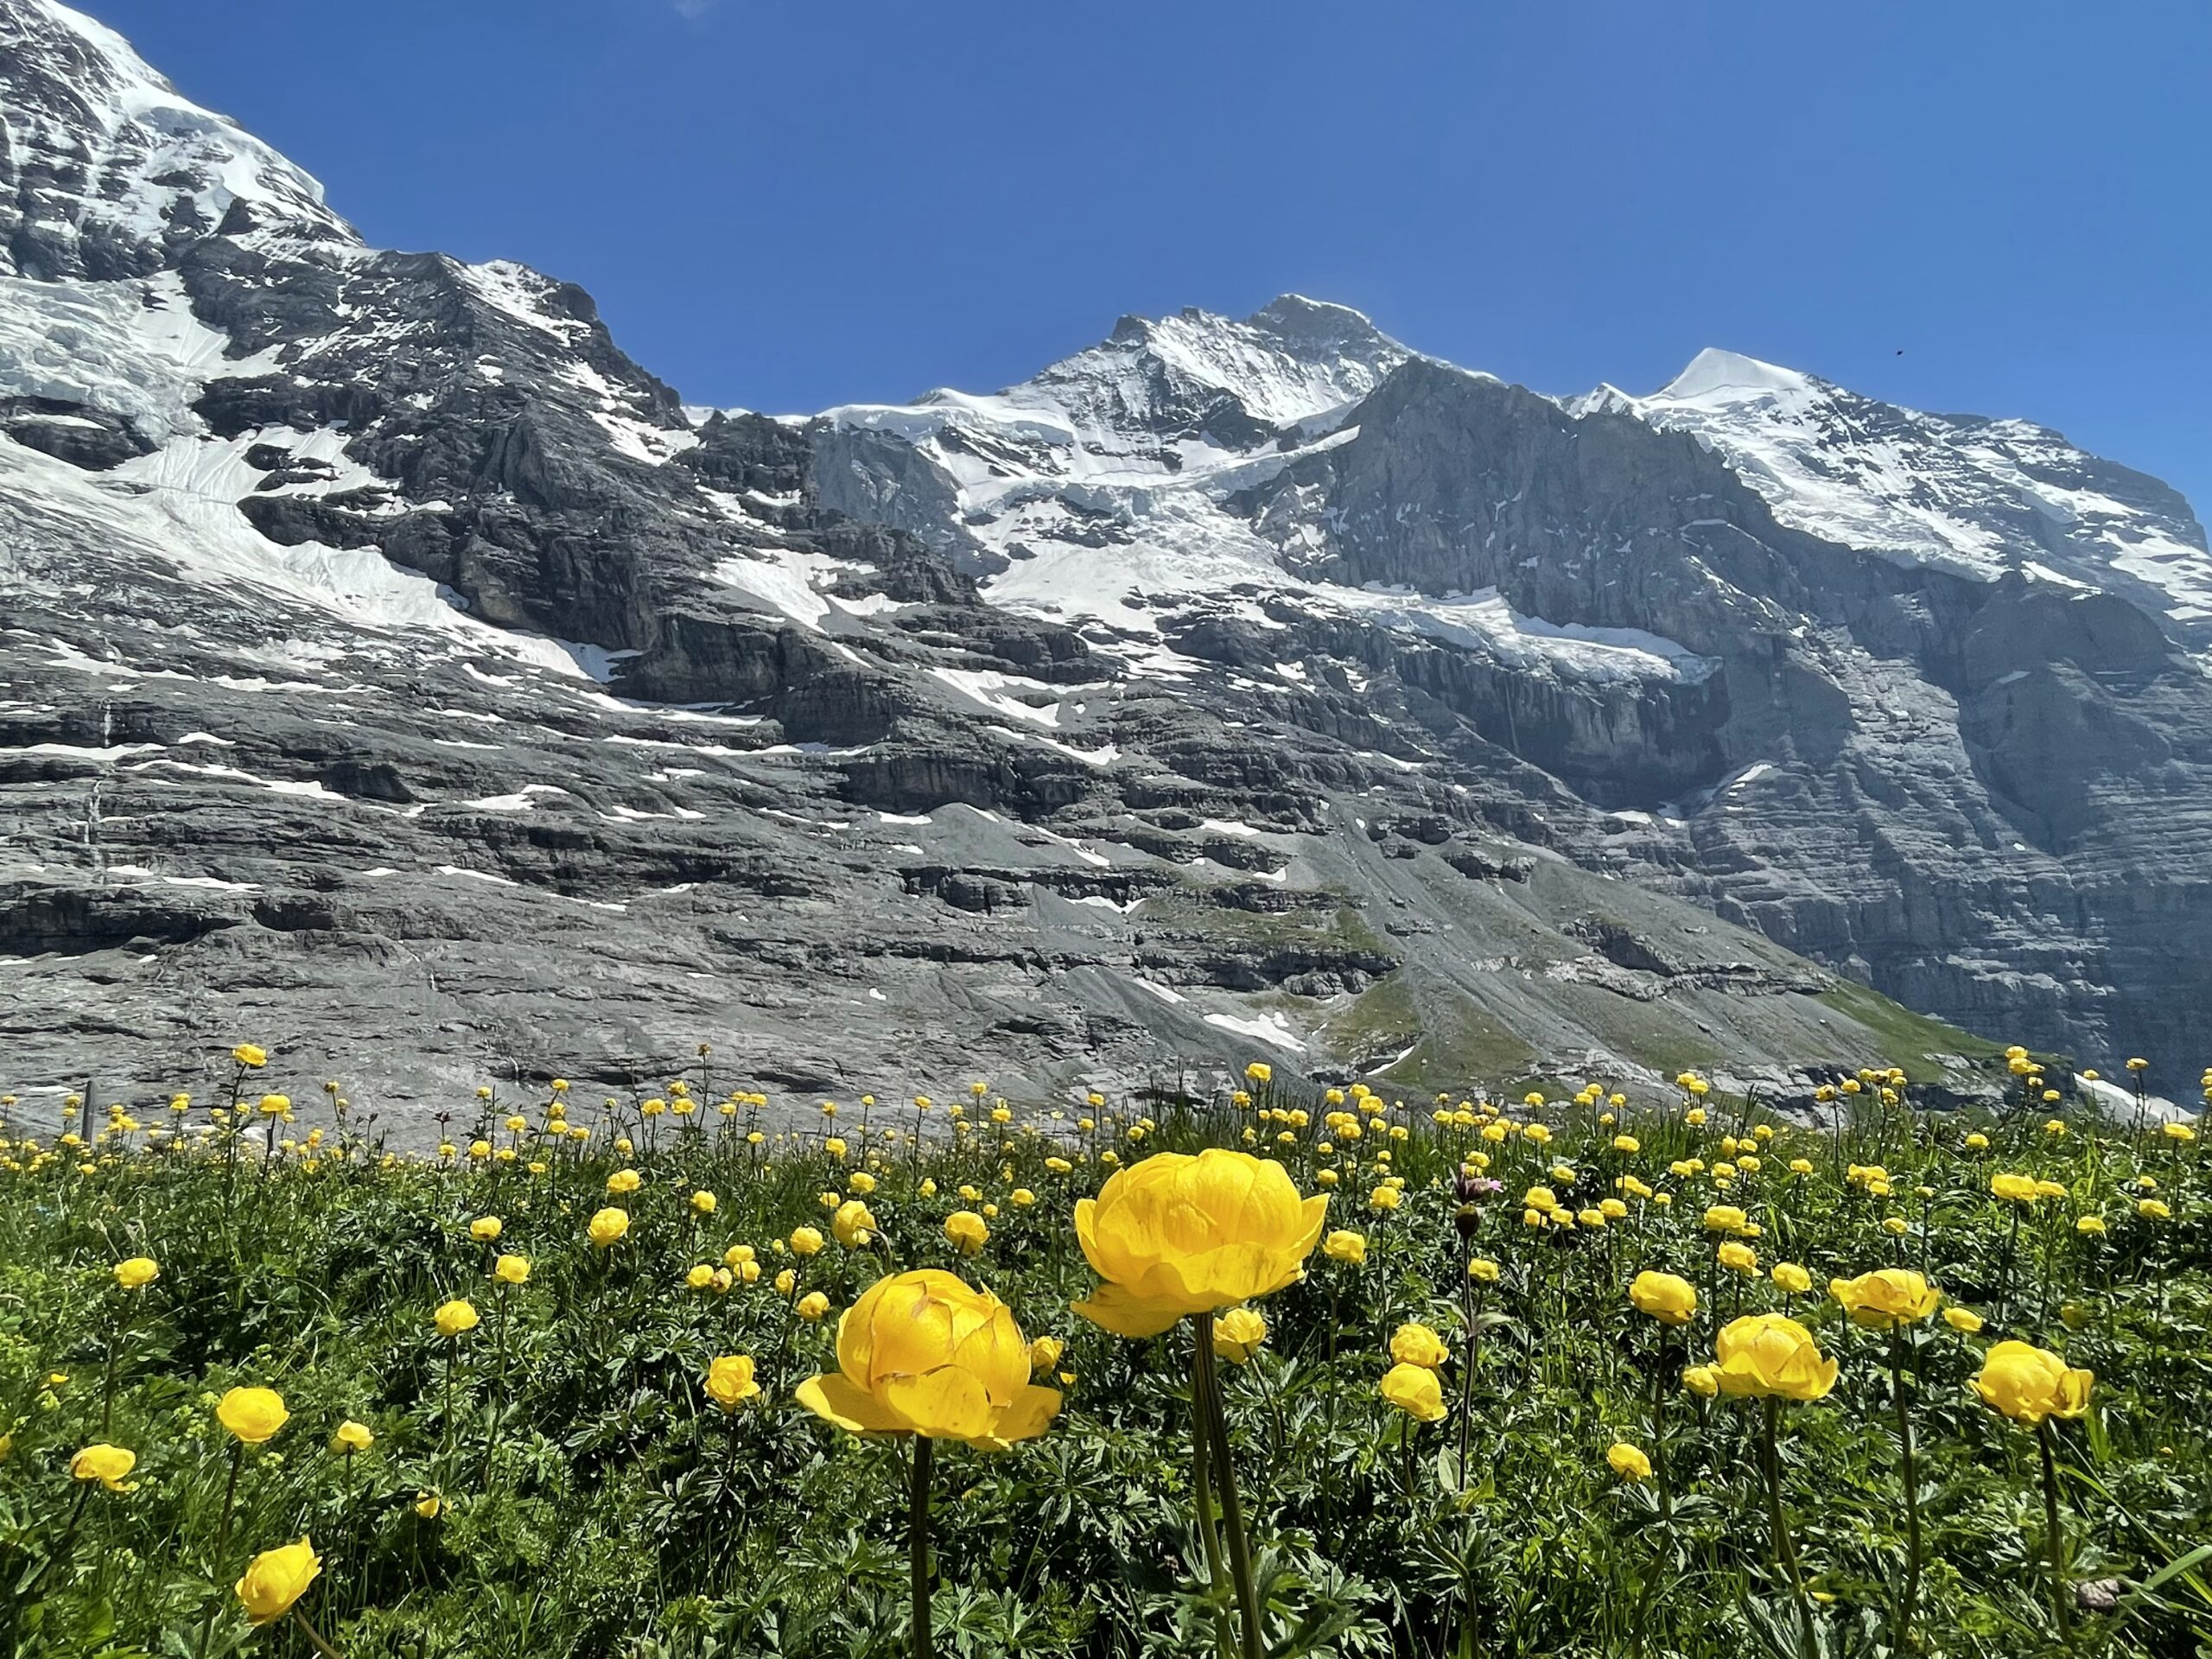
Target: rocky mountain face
<point>393,672</point>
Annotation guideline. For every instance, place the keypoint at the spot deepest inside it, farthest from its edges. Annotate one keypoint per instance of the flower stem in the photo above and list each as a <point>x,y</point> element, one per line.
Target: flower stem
<point>2055,1537</point>
<point>1910,1595</point>
<point>1785,1551</point>
<point>1232,1507</point>
<point>1202,1482</point>
<point>314,1636</point>
<point>918,1544</point>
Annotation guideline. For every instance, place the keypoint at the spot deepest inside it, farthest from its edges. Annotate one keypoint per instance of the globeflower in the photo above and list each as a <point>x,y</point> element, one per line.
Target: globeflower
<point>966,1231</point>
<point>925,1353</point>
<point>1385,1197</point>
<point>253,1415</point>
<point>2019,1189</point>
<point>1414,1390</point>
<point>729,1381</point>
<point>1666,1297</point>
<point>352,1437</point>
<point>607,1226</point>
<point>805,1241</point>
<point>1417,1344</point>
<point>1238,1333</point>
<point>252,1055</point>
<point>512,1269</point>
<point>811,1306</point>
<point>275,1579</point>
<point>1178,1234</point>
<point>456,1318</point>
<point>623,1180</point>
<point>2029,1384</point>
<point>1628,1462</point>
<point>1346,1246</point>
<point>106,1464</point>
<point>484,1229</point>
<point>137,1273</point>
<point>1770,1356</point>
<point>1887,1299</point>
<point>1790,1277</point>
<point>853,1224</point>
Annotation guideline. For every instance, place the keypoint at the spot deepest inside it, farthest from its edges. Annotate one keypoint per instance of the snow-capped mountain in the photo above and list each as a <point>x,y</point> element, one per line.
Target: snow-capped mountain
<point>1979,497</point>
<point>390,664</point>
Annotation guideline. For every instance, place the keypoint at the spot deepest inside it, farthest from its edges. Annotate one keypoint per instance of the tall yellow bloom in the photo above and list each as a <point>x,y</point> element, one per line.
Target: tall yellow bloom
<point>137,1273</point>
<point>1417,1344</point>
<point>512,1269</point>
<point>925,1353</point>
<point>275,1579</point>
<point>456,1318</point>
<point>1178,1234</point>
<point>966,1231</point>
<point>1769,1355</point>
<point>253,1415</point>
<point>1238,1334</point>
<point>106,1464</point>
<point>1414,1390</point>
<point>729,1381</point>
<point>607,1226</point>
<point>1667,1297</point>
<point>1888,1300</point>
<point>2028,1384</point>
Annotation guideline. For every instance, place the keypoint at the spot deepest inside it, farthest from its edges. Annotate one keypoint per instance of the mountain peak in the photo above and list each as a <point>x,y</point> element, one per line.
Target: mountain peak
<point>1729,376</point>
<point>122,168</point>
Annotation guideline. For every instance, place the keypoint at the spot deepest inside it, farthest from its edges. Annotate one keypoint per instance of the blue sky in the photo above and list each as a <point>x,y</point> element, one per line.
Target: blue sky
<point>795,204</point>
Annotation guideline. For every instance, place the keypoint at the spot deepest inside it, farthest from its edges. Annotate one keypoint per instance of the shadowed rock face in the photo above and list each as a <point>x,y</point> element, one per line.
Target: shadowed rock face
<point>393,672</point>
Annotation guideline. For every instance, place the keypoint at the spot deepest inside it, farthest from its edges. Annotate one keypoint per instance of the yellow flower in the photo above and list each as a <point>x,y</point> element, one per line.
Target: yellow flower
<point>485,1228</point>
<point>805,1241</point>
<point>1385,1197</point>
<point>275,1105</point>
<point>729,1381</point>
<point>252,1415</point>
<point>2028,1384</point>
<point>2181,1132</point>
<point>1701,1380</point>
<point>1482,1270</point>
<point>251,1055</point>
<point>457,1317</point>
<point>1627,1143</point>
<point>853,1224</point>
<point>607,1226</point>
<point>1667,1298</point>
<point>1977,1141</point>
<point>1769,1355</point>
<point>1177,1235</point>
<point>1345,1245</point>
<point>1962,1318</point>
<point>966,1231</point>
<point>1237,1334</point>
<point>1628,1462</point>
<point>813,1306</point>
<point>2152,1210</point>
<point>700,1276</point>
<point>106,1464</point>
<point>2090,1226</point>
<point>623,1180</point>
<point>1725,1219</point>
<point>1044,1353</point>
<point>1414,1390</point>
<point>2021,1189</point>
<point>352,1437</point>
<point>512,1269</point>
<point>137,1273</point>
<point>1738,1258</point>
<point>1417,1344</point>
<point>925,1353</point>
<point>1787,1275</point>
<point>275,1579</point>
<point>1887,1299</point>
<point>429,1505</point>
